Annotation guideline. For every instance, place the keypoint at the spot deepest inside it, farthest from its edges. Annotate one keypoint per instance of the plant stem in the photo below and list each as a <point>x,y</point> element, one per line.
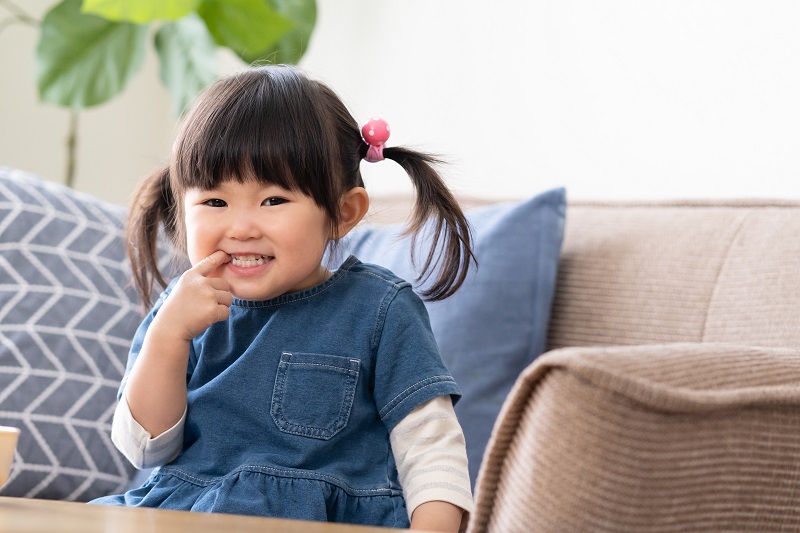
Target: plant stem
<point>18,14</point>
<point>72,148</point>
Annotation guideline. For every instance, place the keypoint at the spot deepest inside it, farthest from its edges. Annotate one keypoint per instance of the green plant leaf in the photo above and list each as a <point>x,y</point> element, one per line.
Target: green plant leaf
<point>291,47</point>
<point>140,11</point>
<point>247,27</point>
<point>187,59</point>
<point>84,60</point>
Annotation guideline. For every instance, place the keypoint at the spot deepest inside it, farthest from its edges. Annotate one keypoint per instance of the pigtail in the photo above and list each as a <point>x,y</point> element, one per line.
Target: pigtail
<point>152,207</point>
<point>451,235</point>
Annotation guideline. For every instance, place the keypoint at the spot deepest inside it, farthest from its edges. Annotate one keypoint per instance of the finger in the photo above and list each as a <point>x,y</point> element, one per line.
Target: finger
<point>222,313</point>
<point>219,284</point>
<point>211,263</point>
<point>225,298</point>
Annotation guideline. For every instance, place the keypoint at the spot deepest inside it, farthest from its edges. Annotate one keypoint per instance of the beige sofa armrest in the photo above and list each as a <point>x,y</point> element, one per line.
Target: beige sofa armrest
<point>671,437</point>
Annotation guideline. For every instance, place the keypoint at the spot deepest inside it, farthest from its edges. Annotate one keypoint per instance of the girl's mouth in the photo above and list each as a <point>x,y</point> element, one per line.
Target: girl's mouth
<point>248,261</point>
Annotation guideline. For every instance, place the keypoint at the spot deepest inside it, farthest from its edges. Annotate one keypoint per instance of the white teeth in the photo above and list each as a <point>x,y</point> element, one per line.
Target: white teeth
<point>248,260</point>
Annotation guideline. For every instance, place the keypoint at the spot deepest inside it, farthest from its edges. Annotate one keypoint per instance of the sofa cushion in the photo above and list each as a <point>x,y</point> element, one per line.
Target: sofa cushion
<point>496,324</point>
<point>67,315</point>
<point>675,271</point>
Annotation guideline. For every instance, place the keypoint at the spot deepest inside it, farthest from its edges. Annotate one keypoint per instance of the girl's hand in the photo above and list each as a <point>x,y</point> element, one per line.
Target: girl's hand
<point>439,516</point>
<point>197,301</point>
<point>156,390</point>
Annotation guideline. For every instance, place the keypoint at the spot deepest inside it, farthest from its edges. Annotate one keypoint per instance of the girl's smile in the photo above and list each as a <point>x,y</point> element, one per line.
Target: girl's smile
<point>249,261</point>
<point>248,264</point>
<point>275,238</point>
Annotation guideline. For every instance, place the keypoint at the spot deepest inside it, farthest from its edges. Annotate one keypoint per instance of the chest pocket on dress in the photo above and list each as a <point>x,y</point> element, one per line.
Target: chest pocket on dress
<point>313,394</point>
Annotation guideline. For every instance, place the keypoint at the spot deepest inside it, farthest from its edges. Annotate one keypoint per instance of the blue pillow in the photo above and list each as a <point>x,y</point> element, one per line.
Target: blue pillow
<point>496,324</point>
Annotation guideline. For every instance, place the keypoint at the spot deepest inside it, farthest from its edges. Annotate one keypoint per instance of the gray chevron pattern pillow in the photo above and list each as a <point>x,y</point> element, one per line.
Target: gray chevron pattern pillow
<point>67,315</point>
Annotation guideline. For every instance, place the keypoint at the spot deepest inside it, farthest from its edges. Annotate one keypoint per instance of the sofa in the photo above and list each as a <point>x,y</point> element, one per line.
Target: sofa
<point>669,398</point>
<point>625,366</point>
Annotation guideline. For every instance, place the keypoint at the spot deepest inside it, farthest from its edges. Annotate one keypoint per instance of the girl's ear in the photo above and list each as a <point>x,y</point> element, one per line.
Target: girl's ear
<point>352,208</point>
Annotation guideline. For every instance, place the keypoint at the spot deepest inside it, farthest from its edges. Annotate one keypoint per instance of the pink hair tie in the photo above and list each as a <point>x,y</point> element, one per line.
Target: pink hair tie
<point>375,133</point>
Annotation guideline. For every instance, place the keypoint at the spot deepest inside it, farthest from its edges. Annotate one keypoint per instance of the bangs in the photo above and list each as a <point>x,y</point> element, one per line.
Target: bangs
<point>262,125</point>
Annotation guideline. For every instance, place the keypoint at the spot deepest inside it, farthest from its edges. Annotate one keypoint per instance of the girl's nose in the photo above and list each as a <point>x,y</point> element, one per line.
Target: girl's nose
<point>241,226</point>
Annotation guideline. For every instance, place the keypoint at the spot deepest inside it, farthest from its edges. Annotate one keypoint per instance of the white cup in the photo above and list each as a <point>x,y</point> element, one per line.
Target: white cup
<point>8,445</point>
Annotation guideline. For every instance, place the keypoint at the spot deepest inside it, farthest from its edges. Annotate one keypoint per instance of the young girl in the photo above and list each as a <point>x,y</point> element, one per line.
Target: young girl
<point>264,383</point>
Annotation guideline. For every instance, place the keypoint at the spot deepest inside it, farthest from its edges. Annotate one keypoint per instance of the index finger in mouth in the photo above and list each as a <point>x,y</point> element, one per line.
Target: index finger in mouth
<point>212,262</point>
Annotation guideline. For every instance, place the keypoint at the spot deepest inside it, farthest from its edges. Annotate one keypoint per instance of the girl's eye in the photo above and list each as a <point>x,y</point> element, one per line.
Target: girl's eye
<point>275,201</point>
<point>215,202</point>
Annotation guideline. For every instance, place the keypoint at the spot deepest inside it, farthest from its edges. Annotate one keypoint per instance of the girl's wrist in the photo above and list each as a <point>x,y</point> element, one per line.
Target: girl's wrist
<point>165,331</point>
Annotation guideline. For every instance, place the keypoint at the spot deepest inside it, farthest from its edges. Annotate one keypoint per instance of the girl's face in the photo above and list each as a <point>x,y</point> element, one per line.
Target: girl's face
<point>276,238</point>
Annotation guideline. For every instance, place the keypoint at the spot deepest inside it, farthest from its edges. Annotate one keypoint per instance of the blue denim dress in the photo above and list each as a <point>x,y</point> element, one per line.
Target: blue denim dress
<point>291,401</point>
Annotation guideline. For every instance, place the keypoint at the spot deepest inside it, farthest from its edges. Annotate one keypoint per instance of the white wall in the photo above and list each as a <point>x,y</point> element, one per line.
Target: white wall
<point>612,99</point>
<point>634,98</point>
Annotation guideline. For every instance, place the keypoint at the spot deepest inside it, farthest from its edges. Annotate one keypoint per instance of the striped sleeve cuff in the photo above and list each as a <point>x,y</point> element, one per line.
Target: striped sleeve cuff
<point>136,443</point>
